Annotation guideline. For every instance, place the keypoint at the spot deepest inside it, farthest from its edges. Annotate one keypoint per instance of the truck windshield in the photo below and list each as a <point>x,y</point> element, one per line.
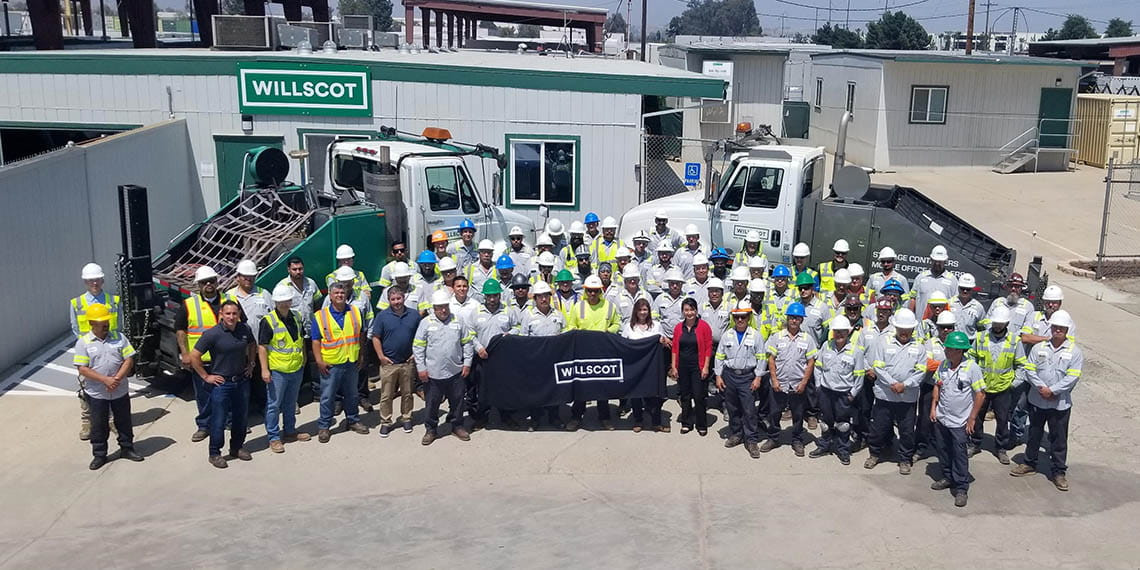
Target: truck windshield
<point>754,187</point>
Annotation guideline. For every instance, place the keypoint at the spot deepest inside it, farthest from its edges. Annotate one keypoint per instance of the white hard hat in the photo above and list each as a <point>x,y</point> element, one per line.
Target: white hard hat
<point>841,246</point>
<point>486,245</point>
<point>966,280</point>
<point>577,227</point>
<point>546,258</point>
<point>401,269</point>
<point>661,215</point>
<point>843,276</point>
<point>446,264</point>
<point>1061,318</point>
<point>515,231</point>
<point>592,282</point>
<point>757,286</point>
<point>758,262</point>
<point>1052,293</point>
<point>801,250</point>
<point>740,274</point>
<point>700,259</point>
<point>554,227</point>
<point>282,293</point>
<point>742,307</point>
<point>840,323</point>
<point>544,239</point>
<point>887,253</point>
<point>344,251</point>
<point>665,245</point>
<point>91,271</point>
<point>1000,314</point>
<point>441,297</point>
<point>674,274</point>
<point>631,272</point>
<point>624,251</point>
<point>939,253</point>
<point>641,235</point>
<point>937,298</point>
<point>946,318</point>
<point>904,319</point>
<point>205,272</point>
<point>752,236</point>
<point>715,283</point>
<point>247,267</point>
<point>344,273</point>
<point>540,288</point>
<point>609,222</point>
<point>855,270</point>
<point>691,230</point>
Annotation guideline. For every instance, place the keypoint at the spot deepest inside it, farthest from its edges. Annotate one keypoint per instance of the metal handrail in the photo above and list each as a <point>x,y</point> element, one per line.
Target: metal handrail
<point>1017,138</point>
<point>1068,134</point>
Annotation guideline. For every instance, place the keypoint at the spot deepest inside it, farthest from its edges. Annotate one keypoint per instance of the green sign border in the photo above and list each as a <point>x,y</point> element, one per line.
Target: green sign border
<point>314,68</point>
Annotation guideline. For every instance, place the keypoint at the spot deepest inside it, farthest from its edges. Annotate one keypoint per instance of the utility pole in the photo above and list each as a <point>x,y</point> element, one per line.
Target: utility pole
<point>829,12</point>
<point>886,6</point>
<point>987,47</point>
<point>628,22</point>
<point>1013,33</point>
<point>847,23</point>
<point>970,30</point>
<point>643,2</point>
<point>816,18</point>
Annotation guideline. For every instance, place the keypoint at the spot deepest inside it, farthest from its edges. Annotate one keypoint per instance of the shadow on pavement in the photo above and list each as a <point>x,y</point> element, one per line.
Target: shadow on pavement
<point>153,445</point>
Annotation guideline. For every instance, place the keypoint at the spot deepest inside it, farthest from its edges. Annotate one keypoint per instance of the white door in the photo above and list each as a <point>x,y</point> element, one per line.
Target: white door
<point>752,201</point>
<point>451,198</point>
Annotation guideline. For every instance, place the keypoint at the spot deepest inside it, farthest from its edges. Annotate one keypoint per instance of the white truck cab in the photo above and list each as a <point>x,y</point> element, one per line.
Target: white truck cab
<point>423,184</point>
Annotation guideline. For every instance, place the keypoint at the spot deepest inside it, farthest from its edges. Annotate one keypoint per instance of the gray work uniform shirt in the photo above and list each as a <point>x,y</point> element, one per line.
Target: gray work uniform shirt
<point>537,323</point>
<point>1020,314</point>
<point>624,301</point>
<point>104,356</point>
<point>302,300</point>
<point>699,292</point>
<point>878,279</point>
<point>464,254</point>
<point>255,304</point>
<point>488,325</point>
<point>654,281</point>
<point>841,370</point>
<point>926,284</point>
<point>442,348</point>
<point>1039,325</point>
<point>817,319</point>
<point>956,390</point>
<point>792,355</point>
<point>741,353</point>
<point>1059,369</point>
<point>669,310</point>
<point>969,318</point>
<point>671,235</point>
<point>934,351</point>
<point>894,362</point>
<point>718,318</point>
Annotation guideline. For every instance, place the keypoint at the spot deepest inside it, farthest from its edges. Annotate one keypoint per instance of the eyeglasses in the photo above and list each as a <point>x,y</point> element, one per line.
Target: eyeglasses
<point>209,282</point>
<point>740,317</point>
<point>398,251</point>
<point>514,238</point>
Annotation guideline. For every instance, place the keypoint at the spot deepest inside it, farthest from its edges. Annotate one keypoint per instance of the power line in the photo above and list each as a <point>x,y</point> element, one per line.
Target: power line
<point>861,21</point>
<point>813,7</point>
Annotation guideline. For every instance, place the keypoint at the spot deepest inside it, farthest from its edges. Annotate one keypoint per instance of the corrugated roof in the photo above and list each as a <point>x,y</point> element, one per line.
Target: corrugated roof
<point>923,56</point>
<point>1090,42</point>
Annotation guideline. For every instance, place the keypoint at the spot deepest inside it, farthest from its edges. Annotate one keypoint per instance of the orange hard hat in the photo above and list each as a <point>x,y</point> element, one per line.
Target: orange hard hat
<point>438,236</point>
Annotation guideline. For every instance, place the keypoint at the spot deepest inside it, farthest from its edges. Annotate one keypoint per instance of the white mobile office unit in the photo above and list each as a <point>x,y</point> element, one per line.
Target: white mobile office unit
<point>570,128</point>
<point>922,108</point>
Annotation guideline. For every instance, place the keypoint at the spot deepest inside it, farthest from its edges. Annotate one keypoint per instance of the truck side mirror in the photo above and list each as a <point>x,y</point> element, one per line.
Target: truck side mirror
<point>496,189</point>
<point>710,191</point>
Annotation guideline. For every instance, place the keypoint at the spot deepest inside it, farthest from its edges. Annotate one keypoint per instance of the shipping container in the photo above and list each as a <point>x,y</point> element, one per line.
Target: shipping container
<point>1108,127</point>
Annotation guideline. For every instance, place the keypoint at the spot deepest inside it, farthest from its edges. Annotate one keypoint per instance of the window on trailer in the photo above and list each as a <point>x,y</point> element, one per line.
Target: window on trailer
<point>819,94</point>
<point>851,98</point>
<point>543,172</point>
<point>928,104</point>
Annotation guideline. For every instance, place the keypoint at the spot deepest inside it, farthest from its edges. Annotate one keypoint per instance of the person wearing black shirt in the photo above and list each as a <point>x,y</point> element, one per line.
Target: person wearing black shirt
<point>231,347</point>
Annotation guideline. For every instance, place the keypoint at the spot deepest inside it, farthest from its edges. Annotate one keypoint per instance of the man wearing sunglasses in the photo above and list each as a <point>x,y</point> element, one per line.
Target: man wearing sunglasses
<point>827,269</point>
<point>199,313</point>
<point>399,255</point>
<point>887,257</point>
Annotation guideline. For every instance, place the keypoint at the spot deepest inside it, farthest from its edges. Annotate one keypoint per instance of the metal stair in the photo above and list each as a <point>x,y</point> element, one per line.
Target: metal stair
<point>1016,161</point>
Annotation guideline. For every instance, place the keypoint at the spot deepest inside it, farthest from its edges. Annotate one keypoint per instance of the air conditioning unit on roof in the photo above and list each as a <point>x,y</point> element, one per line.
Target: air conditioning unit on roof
<point>245,32</point>
<point>325,31</point>
<point>356,22</point>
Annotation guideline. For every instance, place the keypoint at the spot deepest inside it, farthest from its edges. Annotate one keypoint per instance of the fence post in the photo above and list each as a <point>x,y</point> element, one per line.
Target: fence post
<point>1104,218</point>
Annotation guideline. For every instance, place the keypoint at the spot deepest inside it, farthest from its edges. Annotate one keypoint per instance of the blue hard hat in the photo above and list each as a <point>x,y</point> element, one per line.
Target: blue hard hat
<point>466,224</point>
<point>892,285</point>
<point>796,310</point>
<point>505,262</point>
<point>592,218</point>
<point>426,256</point>
<point>782,271</point>
<point>719,253</point>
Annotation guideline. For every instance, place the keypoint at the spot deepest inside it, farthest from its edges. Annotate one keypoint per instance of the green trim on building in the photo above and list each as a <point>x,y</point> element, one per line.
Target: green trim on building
<point>577,140</point>
<point>129,63</point>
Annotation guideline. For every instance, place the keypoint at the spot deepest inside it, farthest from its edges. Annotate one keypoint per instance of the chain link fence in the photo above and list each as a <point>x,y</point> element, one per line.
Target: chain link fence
<point>1119,251</point>
<point>664,161</point>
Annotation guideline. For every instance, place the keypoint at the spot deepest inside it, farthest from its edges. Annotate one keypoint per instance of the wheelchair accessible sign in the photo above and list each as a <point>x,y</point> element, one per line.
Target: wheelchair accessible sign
<point>304,89</point>
<point>692,173</point>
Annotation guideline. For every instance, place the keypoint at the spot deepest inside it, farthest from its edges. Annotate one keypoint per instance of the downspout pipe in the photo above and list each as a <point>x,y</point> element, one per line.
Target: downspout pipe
<point>841,145</point>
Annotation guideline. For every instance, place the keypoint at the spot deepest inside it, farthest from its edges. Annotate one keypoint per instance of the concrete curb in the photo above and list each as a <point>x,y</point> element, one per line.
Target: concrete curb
<point>1067,267</point>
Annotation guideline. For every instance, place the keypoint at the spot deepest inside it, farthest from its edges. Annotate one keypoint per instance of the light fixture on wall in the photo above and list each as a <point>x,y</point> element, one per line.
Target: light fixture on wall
<point>1057,82</point>
<point>247,124</point>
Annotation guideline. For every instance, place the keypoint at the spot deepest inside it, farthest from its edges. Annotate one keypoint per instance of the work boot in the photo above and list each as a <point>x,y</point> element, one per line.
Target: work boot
<point>366,405</point>
<point>276,446</point>
<point>429,437</point>
<point>85,432</point>
<point>199,435</point>
<point>218,461</point>
<point>607,425</point>
<point>972,450</point>
<point>358,428</point>
<point>940,485</point>
<point>130,454</point>
<point>1061,482</point>
<point>812,423</point>
<point>1002,457</point>
<point>1023,470</point>
<point>385,430</point>
<point>960,499</point>
<point>636,428</point>
<point>408,426</point>
<point>798,448</point>
<point>295,437</point>
<point>461,433</point>
<point>733,441</point>
<point>819,452</point>
<point>323,435</point>
<point>845,459</point>
<point>241,454</point>
<point>753,449</point>
<point>573,425</point>
<point>769,445</point>
<point>97,462</point>
<point>871,462</point>
<point>904,468</point>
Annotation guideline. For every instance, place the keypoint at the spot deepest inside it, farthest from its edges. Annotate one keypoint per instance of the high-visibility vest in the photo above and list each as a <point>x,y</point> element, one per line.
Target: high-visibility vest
<point>359,283</point>
<point>998,373</point>
<point>602,252</point>
<point>589,318</point>
<point>339,344</point>
<point>286,354</point>
<point>79,307</point>
<point>198,321</point>
<point>826,276</point>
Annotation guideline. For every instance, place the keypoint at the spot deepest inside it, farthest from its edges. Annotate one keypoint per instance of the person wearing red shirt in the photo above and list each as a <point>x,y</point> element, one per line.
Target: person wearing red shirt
<point>692,355</point>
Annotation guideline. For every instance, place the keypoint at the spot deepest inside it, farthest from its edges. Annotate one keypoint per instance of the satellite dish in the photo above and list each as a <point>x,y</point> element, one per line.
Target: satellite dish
<point>851,182</point>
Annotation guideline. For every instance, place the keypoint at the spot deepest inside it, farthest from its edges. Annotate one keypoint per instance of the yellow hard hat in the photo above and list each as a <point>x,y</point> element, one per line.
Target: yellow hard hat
<point>98,312</point>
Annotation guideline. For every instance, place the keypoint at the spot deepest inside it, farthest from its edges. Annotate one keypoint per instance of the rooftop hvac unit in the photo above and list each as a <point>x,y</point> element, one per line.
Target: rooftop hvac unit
<point>349,38</point>
<point>387,39</point>
<point>245,32</point>
<point>290,36</point>
<point>354,22</point>
<point>325,31</point>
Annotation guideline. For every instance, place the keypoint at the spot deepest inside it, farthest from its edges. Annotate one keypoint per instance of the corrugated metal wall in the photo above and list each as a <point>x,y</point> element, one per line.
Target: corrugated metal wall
<point>863,131</point>
<point>60,211</point>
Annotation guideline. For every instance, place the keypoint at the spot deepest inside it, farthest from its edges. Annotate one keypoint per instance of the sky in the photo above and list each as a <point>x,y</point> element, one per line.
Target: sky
<point>934,15</point>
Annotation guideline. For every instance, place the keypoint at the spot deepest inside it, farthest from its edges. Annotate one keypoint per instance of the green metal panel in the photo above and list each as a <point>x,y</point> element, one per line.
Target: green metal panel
<point>797,117</point>
<point>1056,102</point>
<point>231,156</point>
<point>364,230</point>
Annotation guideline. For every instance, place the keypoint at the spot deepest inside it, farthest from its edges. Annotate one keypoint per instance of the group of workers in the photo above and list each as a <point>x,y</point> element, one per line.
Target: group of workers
<point>873,358</point>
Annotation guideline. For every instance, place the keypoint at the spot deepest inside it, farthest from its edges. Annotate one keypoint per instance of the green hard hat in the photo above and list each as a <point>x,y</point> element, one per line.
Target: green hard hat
<point>959,340</point>
<point>564,275</point>
<point>804,278</point>
<point>492,287</point>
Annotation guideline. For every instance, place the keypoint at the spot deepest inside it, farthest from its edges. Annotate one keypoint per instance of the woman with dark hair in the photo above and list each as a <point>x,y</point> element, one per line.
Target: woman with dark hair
<point>692,354</point>
<point>642,325</point>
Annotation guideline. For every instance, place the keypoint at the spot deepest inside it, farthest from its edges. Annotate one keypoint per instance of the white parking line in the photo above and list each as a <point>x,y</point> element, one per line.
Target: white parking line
<point>46,388</point>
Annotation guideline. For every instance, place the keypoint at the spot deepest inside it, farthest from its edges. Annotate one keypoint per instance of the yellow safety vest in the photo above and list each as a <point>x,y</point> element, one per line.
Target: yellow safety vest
<point>359,283</point>
<point>79,307</point>
<point>601,317</point>
<point>827,276</point>
<point>998,373</point>
<point>339,344</point>
<point>198,321</point>
<point>286,354</point>
<point>603,252</point>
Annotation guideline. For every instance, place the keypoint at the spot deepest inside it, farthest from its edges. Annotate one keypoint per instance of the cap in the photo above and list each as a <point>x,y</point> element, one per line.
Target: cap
<point>887,253</point>
<point>623,251</point>
<point>700,259</point>
<point>563,275</point>
<point>98,312</point>
<point>546,258</point>
<point>492,287</point>
<point>439,236</point>
<point>904,319</point>
<point>91,271</point>
<point>957,340</point>
<point>205,272</point>
<point>855,270</point>
<point>801,250</point>
<point>440,297</point>
<point>345,251</point>
<point>758,262</point>
<point>752,236</point>
<point>344,273</point>
<point>515,231</point>
<point>840,323</point>
<point>282,293</point>
<point>609,222</point>
<point>946,319</point>
<point>742,308</point>
<point>247,267</point>
<point>665,246</point>
<point>540,288</point>
<point>631,272</point>
<point>592,282</point>
<point>661,215</point>
<point>401,269</point>
<point>544,239</point>
<point>446,264</point>
<point>486,245</point>
<point>674,274</point>
<point>1052,293</point>
<point>843,276</point>
<point>554,227</point>
<point>966,281</point>
<point>714,283</point>
<point>577,227</point>
<point>757,286</point>
<point>740,274</point>
<point>1061,318</point>
<point>841,246</point>
<point>939,253</point>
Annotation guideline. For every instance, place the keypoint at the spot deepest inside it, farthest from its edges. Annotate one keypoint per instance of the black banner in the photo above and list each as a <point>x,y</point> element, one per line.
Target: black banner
<point>521,372</point>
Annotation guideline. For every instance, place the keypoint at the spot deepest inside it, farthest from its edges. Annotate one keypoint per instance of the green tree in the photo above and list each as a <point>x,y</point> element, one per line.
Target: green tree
<point>896,30</point>
<point>506,31</point>
<point>615,23</point>
<point>529,31</point>
<point>1050,35</point>
<point>1076,27</point>
<point>836,37</point>
<point>1118,28</point>
<point>717,18</point>
<point>380,10</point>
